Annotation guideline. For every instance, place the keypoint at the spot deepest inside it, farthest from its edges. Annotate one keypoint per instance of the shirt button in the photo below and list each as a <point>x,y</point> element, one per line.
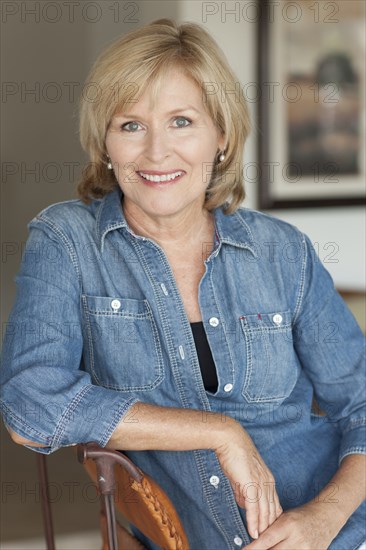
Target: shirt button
<point>116,304</point>
<point>163,287</point>
<point>214,321</point>
<point>228,387</point>
<point>277,319</point>
<point>214,480</point>
<point>238,541</point>
<point>181,352</point>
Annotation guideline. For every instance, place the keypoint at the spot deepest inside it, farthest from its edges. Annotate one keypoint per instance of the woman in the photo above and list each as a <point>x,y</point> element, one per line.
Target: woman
<point>158,316</point>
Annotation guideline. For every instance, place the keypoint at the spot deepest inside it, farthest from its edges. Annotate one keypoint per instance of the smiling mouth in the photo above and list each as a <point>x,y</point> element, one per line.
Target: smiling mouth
<point>161,178</point>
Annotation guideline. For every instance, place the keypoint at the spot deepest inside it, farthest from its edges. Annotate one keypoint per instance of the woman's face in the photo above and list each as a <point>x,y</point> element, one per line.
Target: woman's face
<point>177,138</point>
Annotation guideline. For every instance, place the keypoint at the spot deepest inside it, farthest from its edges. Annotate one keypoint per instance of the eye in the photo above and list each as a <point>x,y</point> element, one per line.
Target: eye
<point>133,127</point>
<point>182,119</point>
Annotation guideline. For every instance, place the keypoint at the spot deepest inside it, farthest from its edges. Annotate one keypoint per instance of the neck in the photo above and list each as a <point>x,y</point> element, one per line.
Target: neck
<point>183,229</point>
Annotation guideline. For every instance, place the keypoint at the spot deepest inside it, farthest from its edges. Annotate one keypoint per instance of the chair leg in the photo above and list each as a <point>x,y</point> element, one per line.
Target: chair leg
<point>126,541</point>
<point>110,515</point>
<point>45,501</point>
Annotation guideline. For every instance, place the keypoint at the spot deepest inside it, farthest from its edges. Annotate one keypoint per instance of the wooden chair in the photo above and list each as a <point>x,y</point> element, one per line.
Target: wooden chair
<point>136,495</point>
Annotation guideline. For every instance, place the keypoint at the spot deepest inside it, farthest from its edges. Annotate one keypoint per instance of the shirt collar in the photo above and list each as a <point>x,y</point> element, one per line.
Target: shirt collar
<point>231,229</point>
<point>109,215</point>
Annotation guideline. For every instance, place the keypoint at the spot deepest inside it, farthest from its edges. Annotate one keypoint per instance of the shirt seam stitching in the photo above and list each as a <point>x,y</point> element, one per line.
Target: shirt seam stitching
<point>64,419</point>
<point>64,240</point>
<point>301,291</point>
<point>24,424</point>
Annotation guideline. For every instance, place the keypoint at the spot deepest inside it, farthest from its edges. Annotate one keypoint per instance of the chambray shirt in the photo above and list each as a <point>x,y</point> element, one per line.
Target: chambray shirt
<point>98,324</point>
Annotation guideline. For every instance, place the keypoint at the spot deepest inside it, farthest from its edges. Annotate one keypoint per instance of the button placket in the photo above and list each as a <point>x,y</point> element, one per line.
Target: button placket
<point>221,499</point>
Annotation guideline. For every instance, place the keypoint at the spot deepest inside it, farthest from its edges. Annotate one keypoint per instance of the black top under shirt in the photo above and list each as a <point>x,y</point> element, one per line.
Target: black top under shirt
<point>207,365</point>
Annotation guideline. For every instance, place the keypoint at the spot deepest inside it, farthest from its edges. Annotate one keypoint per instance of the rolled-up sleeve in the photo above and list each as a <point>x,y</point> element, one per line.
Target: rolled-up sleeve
<point>331,349</point>
<point>46,395</point>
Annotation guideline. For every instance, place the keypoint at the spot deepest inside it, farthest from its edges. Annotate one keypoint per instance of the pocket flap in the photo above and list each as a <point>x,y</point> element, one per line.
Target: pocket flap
<point>266,321</point>
<point>115,305</point>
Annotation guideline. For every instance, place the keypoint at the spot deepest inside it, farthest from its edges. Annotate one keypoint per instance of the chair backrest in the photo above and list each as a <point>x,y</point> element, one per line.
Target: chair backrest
<point>137,496</point>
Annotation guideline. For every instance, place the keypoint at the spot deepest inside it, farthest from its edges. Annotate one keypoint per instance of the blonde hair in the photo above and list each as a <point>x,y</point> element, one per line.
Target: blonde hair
<point>140,60</point>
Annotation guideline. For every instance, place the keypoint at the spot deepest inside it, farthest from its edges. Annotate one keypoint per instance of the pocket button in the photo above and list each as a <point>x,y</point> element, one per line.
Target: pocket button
<point>277,319</point>
<point>116,304</point>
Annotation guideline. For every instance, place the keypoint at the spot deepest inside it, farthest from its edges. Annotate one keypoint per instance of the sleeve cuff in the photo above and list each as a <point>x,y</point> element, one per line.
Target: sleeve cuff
<point>353,440</point>
<point>93,415</point>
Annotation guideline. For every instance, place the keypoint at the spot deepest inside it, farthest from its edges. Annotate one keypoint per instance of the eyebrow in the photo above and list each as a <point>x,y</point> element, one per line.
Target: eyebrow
<point>178,110</point>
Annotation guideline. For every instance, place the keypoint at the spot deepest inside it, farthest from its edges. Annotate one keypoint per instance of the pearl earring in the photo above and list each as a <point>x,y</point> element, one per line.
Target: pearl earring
<point>222,157</point>
<point>109,164</point>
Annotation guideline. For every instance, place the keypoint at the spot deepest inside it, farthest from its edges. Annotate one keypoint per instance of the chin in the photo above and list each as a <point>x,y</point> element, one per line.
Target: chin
<point>164,209</point>
<point>164,206</point>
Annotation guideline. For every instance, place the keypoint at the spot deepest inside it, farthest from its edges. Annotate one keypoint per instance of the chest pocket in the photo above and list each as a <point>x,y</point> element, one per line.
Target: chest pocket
<point>124,346</point>
<point>272,370</point>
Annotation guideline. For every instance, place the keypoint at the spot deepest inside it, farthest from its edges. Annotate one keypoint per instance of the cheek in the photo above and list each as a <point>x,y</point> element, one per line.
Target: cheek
<point>127,173</point>
<point>120,149</point>
<point>195,149</point>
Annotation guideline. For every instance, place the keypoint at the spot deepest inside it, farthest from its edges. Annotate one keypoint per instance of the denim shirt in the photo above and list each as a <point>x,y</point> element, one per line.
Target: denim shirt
<point>98,324</point>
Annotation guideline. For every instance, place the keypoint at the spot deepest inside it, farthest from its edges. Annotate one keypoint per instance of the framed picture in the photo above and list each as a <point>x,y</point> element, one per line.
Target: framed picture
<point>311,111</point>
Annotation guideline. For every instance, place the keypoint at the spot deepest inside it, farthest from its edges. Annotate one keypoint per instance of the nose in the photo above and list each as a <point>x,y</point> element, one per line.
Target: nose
<point>157,144</point>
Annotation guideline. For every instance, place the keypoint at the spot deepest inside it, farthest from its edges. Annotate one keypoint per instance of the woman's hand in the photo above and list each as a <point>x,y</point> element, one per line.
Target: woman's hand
<point>304,528</point>
<point>251,480</point>
<point>316,523</point>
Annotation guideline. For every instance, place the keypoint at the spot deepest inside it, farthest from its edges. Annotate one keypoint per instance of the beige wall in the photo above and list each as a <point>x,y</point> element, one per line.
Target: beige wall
<point>39,130</point>
<point>49,51</point>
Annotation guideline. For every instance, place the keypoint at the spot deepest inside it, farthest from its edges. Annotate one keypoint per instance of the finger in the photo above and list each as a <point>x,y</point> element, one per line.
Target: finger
<point>257,545</point>
<point>272,504</point>
<point>276,509</point>
<point>252,516</point>
<point>272,509</point>
<point>264,510</point>
<point>275,506</point>
<point>278,506</point>
<point>269,540</point>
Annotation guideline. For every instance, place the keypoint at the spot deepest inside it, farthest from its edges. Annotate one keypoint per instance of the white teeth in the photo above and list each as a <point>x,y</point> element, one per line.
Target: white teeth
<point>164,177</point>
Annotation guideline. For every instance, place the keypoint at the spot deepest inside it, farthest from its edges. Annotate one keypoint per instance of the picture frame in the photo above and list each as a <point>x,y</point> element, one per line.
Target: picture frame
<point>311,107</point>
